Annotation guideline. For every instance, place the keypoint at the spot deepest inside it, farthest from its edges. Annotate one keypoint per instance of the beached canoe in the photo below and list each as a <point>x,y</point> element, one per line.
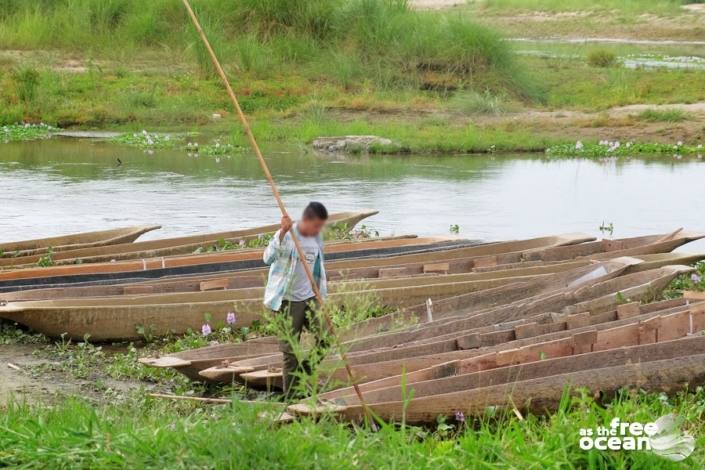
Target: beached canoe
<point>461,334</point>
<point>665,364</point>
<point>13,250</point>
<point>210,262</point>
<point>257,278</point>
<point>437,253</point>
<point>174,246</point>
<point>113,318</point>
<point>356,335</point>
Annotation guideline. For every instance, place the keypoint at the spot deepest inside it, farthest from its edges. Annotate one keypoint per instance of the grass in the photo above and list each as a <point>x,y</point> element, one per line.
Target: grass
<point>601,58</point>
<point>382,41</point>
<point>664,115</point>
<point>144,433</point>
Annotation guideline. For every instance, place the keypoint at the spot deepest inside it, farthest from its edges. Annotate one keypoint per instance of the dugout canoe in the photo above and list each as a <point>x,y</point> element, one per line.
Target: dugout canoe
<point>191,362</point>
<point>666,322</point>
<point>485,356</point>
<point>520,350</point>
<point>462,334</point>
<point>385,257</point>
<point>538,386</point>
<point>172,246</point>
<point>557,248</point>
<point>120,318</point>
<point>257,278</point>
<point>445,259</point>
<point>207,263</point>
<point>40,246</point>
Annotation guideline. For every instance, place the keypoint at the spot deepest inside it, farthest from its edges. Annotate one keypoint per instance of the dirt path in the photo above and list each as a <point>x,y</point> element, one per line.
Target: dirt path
<point>29,377</point>
<point>21,384</point>
<point>435,4</point>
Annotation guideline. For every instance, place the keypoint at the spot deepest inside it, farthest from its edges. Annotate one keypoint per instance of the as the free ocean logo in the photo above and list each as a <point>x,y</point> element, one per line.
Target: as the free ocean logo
<point>663,437</point>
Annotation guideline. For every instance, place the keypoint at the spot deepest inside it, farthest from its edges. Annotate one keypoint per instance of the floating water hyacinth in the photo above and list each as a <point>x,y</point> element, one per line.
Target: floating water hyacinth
<point>147,140</point>
<point>206,329</point>
<point>26,131</point>
<point>460,416</point>
<point>607,148</point>
<point>230,318</point>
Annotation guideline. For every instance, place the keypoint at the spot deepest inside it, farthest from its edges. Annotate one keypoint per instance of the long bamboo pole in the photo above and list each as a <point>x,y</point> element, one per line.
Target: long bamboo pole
<point>275,191</point>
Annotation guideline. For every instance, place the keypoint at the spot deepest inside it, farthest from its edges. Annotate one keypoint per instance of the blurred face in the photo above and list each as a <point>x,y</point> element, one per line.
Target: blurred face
<point>311,227</point>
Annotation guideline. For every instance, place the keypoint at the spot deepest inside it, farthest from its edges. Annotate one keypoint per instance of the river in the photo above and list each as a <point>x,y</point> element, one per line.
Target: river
<point>62,185</point>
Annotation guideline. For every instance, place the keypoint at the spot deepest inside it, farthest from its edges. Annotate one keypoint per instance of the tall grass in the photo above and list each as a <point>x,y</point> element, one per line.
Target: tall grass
<point>348,41</point>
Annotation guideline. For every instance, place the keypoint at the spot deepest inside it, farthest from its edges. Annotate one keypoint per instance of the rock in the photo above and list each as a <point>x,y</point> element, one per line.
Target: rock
<point>349,143</point>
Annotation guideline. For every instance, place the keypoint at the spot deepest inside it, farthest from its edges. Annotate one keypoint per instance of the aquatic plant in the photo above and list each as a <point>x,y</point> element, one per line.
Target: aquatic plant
<point>148,140</point>
<point>607,148</point>
<point>25,131</point>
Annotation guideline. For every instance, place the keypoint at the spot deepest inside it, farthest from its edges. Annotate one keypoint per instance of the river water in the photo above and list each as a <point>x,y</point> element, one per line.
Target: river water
<point>62,186</point>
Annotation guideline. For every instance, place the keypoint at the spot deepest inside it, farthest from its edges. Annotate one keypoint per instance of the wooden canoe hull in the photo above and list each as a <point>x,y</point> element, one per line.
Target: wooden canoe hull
<point>663,368</point>
<point>154,268</point>
<point>367,365</point>
<point>257,278</point>
<point>115,320</point>
<point>11,250</point>
<point>170,246</point>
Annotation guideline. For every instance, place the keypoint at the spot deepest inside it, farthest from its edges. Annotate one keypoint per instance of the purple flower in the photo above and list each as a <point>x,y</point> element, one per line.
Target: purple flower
<point>230,319</point>
<point>695,278</point>
<point>460,416</point>
<point>206,329</point>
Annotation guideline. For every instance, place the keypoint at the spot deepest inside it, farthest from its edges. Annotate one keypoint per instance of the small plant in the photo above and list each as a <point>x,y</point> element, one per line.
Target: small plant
<point>46,260</point>
<point>454,229</point>
<point>601,58</point>
<point>606,228</point>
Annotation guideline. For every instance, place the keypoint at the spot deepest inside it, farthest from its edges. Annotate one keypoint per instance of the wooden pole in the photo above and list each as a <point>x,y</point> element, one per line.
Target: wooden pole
<point>275,191</point>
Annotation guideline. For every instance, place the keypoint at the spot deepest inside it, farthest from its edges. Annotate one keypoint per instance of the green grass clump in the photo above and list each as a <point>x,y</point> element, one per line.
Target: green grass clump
<point>664,115</point>
<point>601,58</point>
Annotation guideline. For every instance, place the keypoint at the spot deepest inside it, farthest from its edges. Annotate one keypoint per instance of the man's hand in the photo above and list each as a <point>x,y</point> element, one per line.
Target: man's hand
<point>286,224</point>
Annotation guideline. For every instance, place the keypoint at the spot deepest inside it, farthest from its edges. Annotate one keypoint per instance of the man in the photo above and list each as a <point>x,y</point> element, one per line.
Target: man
<point>289,291</point>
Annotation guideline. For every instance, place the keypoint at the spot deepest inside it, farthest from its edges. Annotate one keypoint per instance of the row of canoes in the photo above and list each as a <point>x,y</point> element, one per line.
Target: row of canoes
<point>457,308</point>
<point>559,323</point>
<point>464,331</point>
<point>115,245</point>
<point>95,311</point>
